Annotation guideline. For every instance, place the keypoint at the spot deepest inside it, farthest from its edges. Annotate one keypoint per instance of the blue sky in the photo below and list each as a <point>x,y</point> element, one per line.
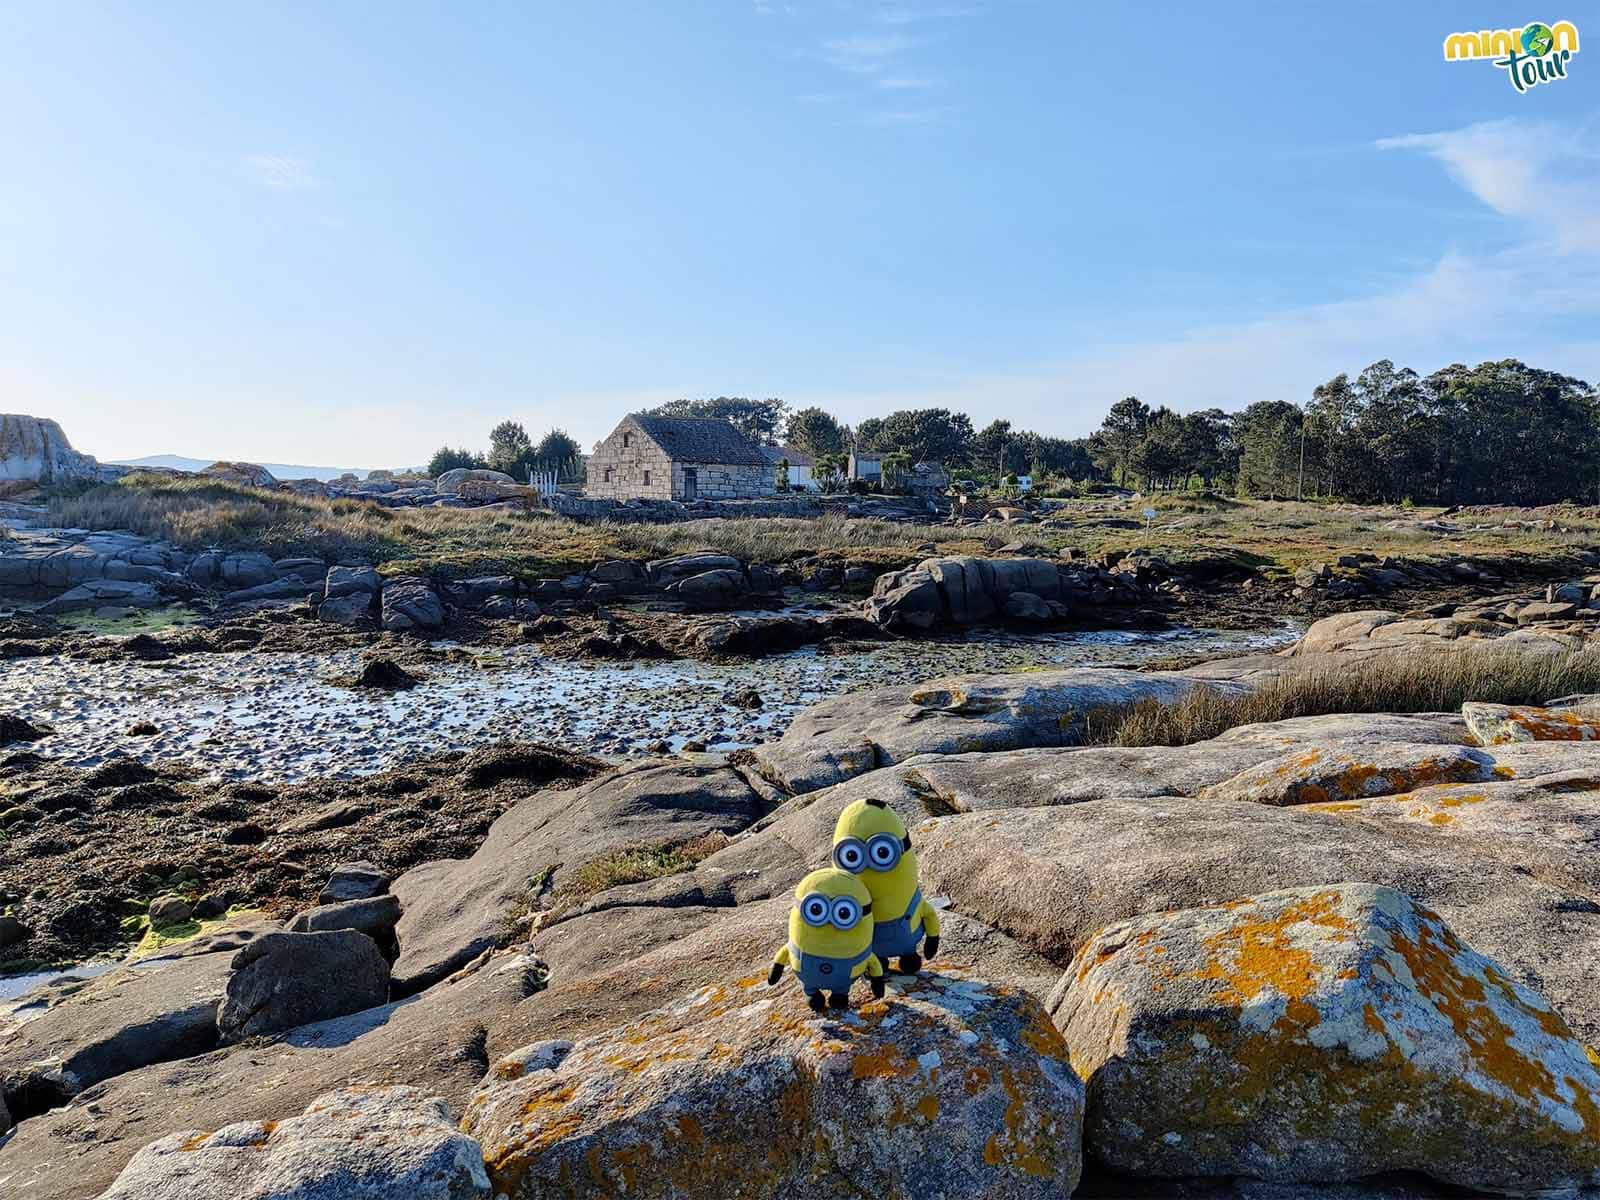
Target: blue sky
<point>345,233</point>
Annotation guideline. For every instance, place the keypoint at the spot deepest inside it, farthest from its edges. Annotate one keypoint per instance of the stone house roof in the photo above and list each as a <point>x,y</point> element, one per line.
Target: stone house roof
<point>796,456</point>
<point>700,440</point>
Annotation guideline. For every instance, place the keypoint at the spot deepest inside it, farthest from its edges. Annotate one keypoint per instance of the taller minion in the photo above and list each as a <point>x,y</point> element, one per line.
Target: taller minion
<point>871,842</point>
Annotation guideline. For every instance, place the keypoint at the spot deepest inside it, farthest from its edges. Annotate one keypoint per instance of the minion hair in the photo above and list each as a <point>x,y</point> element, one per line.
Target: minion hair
<point>876,804</point>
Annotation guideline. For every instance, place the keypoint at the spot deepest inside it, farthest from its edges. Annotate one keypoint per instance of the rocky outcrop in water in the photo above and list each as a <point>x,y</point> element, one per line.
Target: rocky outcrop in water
<point>1302,951</point>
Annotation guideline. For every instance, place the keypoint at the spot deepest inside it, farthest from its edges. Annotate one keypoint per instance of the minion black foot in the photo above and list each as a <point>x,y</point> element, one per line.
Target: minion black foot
<point>910,964</point>
<point>817,1003</point>
<point>839,1000</point>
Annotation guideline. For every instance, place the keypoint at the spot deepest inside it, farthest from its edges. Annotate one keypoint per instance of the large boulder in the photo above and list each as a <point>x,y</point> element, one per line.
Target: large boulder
<point>357,610</point>
<point>350,596</point>
<point>345,580</point>
<point>952,1087</point>
<point>248,474</point>
<point>906,600</point>
<point>379,1143</point>
<point>246,570</point>
<point>1320,1035</point>
<point>451,481</point>
<point>410,604</point>
<point>965,591</point>
<point>35,450</point>
<point>721,588</point>
<point>284,980</point>
<point>664,571</point>
<point>1510,876</point>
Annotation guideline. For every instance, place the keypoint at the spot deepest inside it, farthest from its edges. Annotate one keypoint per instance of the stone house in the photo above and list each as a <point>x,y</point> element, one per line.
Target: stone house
<point>678,458</point>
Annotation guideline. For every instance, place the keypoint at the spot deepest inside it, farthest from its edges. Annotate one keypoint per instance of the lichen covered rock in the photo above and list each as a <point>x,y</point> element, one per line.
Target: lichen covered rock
<point>389,1143</point>
<point>1323,1034</point>
<point>952,1087</point>
<point>1321,775</point>
<point>1504,724</point>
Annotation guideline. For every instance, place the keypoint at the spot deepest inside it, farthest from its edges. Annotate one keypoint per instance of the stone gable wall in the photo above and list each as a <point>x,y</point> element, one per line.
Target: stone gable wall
<point>628,466</point>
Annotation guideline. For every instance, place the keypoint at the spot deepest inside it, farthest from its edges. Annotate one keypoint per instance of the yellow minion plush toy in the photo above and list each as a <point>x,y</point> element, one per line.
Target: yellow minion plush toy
<point>871,842</point>
<point>830,938</point>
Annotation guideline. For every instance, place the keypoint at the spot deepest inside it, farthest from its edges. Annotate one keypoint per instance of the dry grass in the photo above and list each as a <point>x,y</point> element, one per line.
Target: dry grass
<point>632,864</point>
<point>1405,682</point>
<point>199,513</point>
<point>206,514</point>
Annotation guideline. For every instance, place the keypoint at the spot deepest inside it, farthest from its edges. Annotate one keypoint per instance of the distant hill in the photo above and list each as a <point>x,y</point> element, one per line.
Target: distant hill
<point>279,470</point>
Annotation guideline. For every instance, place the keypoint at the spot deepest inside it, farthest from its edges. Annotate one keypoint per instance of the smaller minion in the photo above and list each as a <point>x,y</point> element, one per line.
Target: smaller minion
<point>830,939</point>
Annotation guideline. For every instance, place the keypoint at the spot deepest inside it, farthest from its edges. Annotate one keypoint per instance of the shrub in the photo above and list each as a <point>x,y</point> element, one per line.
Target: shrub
<point>1402,682</point>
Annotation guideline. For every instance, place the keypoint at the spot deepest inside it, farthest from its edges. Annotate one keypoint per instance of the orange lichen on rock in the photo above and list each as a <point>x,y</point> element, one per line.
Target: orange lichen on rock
<point>757,1096</point>
<point>1320,779</point>
<point>1322,1034</point>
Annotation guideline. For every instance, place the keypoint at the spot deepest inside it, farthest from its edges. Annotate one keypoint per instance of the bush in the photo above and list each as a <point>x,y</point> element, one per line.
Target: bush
<point>445,459</point>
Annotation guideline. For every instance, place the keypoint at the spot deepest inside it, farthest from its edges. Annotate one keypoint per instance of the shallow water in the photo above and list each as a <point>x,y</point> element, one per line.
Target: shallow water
<point>279,716</point>
<point>12,986</point>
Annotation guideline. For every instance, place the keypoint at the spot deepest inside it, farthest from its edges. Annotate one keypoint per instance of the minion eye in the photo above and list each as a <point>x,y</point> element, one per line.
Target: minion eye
<point>846,912</point>
<point>814,910</point>
<point>884,852</point>
<point>850,855</point>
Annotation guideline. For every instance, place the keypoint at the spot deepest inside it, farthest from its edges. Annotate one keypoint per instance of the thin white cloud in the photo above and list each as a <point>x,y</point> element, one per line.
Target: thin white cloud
<point>935,12</point>
<point>899,83</point>
<point>1538,173</point>
<point>279,172</point>
<point>908,116</point>
<point>866,53</point>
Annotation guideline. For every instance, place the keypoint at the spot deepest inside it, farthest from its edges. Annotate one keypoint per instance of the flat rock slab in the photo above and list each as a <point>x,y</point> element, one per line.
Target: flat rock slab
<point>739,1090</point>
<point>434,1045</point>
<point>849,735</point>
<point>1320,1035</point>
<point>455,909</point>
<point>386,1143</point>
<point>72,1034</point>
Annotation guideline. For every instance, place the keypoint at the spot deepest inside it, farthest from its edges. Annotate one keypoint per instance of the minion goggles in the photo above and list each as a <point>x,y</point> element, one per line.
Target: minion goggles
<point>881,852</point>
<point>842,912</point>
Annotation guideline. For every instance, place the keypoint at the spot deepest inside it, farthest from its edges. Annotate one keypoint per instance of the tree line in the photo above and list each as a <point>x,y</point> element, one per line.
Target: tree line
<point>1498,432</point>
<point>511,450</point>
<point>1501,431</point>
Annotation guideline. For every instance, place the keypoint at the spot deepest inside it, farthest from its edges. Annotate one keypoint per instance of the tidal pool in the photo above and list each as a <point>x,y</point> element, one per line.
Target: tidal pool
<point>281,717</point>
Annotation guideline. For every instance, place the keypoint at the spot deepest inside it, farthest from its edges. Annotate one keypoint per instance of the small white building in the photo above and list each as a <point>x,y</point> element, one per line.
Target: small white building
<point>867,465</point>
<point>802,467</point>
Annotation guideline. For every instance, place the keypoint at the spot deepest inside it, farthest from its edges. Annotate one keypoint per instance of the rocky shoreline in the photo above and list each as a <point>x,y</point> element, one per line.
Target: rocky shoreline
<point>1390,914</point>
